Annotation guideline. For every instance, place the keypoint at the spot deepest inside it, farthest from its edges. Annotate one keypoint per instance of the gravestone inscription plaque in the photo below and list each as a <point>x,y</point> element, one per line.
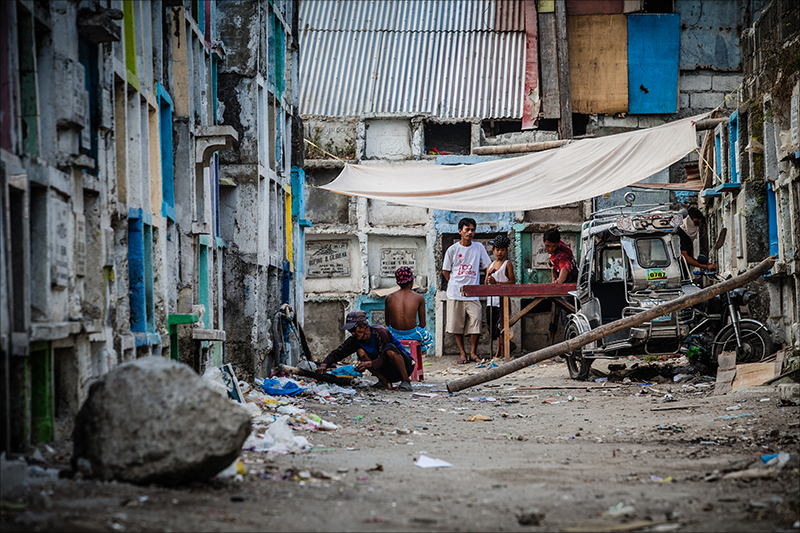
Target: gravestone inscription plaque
<point>394,258</point>
<point>328,259</point>
<point>59,224</point>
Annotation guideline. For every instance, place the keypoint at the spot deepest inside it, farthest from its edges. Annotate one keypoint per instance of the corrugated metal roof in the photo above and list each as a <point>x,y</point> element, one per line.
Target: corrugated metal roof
<point>412,15</point>
<point>438,57</point>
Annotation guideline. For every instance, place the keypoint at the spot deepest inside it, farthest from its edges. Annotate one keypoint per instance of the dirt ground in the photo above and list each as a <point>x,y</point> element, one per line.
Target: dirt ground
<point>601,457</point>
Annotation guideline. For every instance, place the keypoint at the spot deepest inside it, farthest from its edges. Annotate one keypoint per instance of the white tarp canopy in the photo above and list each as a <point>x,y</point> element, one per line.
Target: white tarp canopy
<point>577,171</point>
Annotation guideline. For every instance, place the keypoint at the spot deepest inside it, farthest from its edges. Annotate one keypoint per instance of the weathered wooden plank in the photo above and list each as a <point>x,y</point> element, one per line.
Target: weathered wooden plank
<point>753,374</point>
<point>531,290</point>
<point>531,101</point>
<point>598,63</point>
<point>724,381</point>
<point>564,72</point>
<point>548,63</point>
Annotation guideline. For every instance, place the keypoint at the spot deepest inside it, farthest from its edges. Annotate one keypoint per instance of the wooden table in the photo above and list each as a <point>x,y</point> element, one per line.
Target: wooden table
<point>538,291</point>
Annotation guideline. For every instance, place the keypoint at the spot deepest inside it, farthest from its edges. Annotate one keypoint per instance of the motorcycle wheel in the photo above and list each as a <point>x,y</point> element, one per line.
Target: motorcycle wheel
<point>756,342</point>
<point>577,364</point>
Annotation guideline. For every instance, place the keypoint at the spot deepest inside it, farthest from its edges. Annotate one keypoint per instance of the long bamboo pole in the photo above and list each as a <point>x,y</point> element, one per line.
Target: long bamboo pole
<point>603,331</point>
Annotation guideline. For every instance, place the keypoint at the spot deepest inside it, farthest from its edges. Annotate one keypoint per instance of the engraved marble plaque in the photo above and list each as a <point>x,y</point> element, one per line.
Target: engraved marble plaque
<point>59,264</point>
<point>80,245</point>
<point>328,259</point>
<point>394,258</point>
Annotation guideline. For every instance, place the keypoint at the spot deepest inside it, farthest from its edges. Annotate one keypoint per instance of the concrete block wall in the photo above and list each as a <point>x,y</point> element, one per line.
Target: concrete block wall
<point>85,170</point>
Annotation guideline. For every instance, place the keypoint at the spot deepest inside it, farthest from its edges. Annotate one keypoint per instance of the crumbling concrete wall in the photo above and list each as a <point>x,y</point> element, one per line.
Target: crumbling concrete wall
<point>258,101</point>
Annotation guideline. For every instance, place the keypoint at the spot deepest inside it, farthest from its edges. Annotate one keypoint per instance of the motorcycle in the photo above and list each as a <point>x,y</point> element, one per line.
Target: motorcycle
<point>721,327</point>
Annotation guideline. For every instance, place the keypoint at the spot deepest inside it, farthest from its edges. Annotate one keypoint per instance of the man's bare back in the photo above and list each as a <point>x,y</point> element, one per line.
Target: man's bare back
<point>405,309</point>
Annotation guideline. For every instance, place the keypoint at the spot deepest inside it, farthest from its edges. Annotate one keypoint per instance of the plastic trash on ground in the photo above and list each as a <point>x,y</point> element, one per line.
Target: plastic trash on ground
<point>307,365</point>
<point>429,462</point>
<point>252,408</point>
<point>281,387</point>
<point>346,370</point>
<point>278,438</point>
<point>213,376</point>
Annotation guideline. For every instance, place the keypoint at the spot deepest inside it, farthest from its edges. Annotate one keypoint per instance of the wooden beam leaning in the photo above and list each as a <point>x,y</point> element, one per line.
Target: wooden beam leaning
<point>709,123</point>
<point>562,53</point>
<point>603,331</point>
<point>519,148</point>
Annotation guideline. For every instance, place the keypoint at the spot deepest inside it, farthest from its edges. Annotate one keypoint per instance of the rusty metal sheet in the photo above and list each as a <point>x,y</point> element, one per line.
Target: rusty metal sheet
<point>532,102</point>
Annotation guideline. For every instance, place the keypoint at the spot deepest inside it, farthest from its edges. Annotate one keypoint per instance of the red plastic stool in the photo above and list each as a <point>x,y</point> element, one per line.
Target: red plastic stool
<point>416,354</point>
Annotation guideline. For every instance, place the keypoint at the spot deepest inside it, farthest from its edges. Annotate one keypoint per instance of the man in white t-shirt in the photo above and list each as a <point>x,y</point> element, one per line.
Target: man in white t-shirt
<point>462,264</point>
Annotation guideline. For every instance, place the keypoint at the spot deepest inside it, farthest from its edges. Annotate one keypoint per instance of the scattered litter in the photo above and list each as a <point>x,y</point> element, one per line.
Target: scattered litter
<point>661,479</point>
<point>424,394</point>
<point>620,510</point>
<point>307,365</point>
<point>290,410</point>
<point>278,438</point>
<point>346,370</point>
<point>234,470</point>
<point>429,462</point>
<point>674,407</point>
<point>486,399</point>
<point>779,459</point>
<point>275,387</point>
<point>734,407</point>
<point>479,418</point>
<point>730,417</point>
<point>764,400</point>
<point>601,380</point>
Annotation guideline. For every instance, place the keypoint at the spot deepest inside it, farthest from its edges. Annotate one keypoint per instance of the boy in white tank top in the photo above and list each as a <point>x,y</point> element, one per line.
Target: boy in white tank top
<point>501,271</point>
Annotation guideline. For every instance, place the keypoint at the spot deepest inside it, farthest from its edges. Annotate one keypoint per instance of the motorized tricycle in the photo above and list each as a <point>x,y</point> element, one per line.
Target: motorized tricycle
<point>631,262</point>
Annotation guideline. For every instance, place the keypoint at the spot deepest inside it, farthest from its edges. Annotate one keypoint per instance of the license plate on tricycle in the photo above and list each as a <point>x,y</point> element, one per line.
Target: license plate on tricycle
<point>665,318</point>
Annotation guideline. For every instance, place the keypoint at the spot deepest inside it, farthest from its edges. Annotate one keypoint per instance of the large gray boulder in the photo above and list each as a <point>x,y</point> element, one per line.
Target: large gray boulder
<point>156,421</point>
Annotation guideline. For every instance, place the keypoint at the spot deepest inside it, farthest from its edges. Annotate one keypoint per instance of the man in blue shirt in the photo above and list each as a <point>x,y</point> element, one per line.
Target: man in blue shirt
<point>378,351</point>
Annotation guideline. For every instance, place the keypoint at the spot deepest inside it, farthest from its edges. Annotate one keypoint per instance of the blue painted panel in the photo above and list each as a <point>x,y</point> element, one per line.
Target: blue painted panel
<point>136,283</point>
<point>299,214</point>
<point>733,139</point>
<point>149,299</point>
<point>718,156</point>
<point>167,162</point>
<point>772,207</point>
<point>653,46</point>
